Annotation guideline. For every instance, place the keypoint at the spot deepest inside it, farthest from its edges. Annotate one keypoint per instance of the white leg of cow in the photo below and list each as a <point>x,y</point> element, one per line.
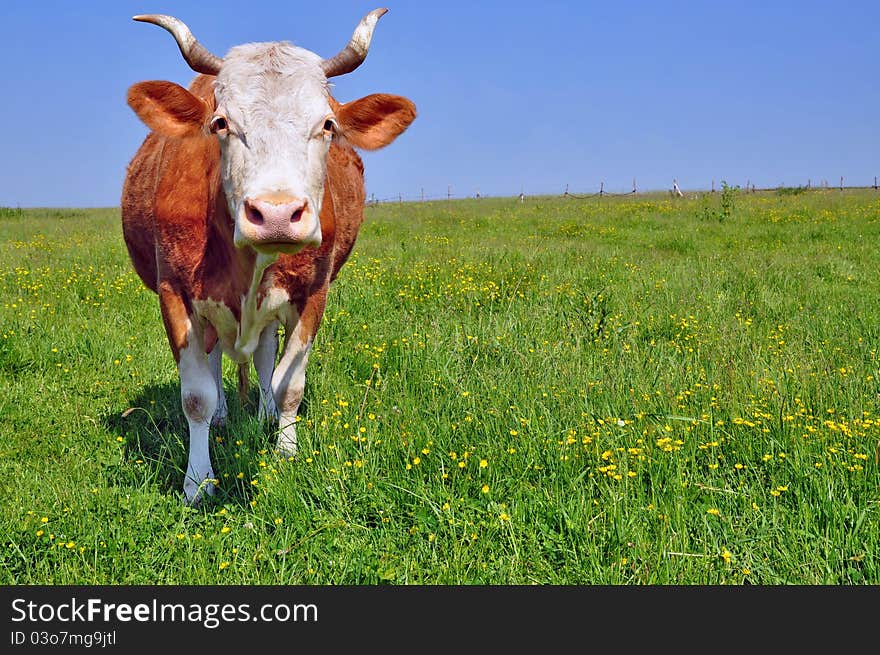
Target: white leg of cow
<point>264,362</point>
<point>198,395</point>
<point>216,362</point>
<point>288,384</point>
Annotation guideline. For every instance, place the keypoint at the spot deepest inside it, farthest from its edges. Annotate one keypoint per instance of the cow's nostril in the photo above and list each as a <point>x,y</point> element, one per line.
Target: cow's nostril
<point>253,214</point>
<point>295,216</point>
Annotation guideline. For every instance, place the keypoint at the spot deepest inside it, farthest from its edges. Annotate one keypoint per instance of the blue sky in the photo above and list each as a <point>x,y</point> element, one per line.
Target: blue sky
<point>511,96</point>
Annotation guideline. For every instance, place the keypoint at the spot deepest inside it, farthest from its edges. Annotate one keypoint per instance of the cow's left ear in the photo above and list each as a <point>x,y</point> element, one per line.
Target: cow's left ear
<point>169,109</point>
<point>374,121</point>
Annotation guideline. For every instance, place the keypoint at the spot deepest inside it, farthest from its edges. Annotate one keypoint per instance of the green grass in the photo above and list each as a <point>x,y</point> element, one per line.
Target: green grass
<point>607,391</point>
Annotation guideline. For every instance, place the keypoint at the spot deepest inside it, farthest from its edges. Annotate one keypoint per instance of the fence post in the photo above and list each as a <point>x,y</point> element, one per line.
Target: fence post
<point>875,183</point>
<point>841,182</point>
<point>601,188</point>
<point>448,193</point>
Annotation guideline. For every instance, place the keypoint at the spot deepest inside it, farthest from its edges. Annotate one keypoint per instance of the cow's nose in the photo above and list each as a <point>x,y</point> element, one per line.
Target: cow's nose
<point>274,211</point>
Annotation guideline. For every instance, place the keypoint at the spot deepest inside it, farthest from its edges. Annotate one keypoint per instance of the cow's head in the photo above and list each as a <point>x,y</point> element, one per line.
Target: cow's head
<point>275,119</point>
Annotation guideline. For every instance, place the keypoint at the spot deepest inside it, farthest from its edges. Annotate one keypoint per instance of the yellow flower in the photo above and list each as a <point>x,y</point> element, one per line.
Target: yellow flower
<point>224,529</point>
<point>725,555</point>
<point>504,516</point>
<point>485,488</point>
<point>713,511</point>
<point>278,520</point>
<point>483,463</point>
<point>223,565</point>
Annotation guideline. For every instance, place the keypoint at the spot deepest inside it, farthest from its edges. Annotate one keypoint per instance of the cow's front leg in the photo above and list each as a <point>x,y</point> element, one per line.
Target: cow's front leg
<point>264,362</point>
<point>215,361</point>
<point>198,395</point>
<point>288,385</point>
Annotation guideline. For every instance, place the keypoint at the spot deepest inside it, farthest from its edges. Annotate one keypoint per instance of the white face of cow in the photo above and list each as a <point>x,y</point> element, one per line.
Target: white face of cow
<point>275,125</point>
<point>274,119</point>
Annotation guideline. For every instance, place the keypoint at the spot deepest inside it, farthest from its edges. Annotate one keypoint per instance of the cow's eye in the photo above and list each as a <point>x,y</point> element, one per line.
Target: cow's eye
<point>219,124</point>
<point>329,127</point>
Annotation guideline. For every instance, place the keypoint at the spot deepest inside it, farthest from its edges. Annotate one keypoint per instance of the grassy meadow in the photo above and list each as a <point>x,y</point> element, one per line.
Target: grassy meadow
<point>634,390</point>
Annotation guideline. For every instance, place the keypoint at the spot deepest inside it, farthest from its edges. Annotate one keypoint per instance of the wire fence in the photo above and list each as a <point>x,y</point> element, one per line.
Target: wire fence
<point>674,191</point>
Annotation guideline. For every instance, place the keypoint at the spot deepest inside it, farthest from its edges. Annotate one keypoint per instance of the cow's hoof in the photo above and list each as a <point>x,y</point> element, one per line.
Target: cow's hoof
<point>196,491</point>
<point>286,446</point>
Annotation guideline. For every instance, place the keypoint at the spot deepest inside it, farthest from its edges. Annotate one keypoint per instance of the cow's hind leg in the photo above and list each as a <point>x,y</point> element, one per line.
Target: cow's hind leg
<point>288,384</point>
<point>216,362</point>
<point>264,362</point>
<point>198,395</point>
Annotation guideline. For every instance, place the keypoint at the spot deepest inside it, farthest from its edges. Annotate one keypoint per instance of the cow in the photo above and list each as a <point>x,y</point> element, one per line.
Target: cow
<point>239,209</point>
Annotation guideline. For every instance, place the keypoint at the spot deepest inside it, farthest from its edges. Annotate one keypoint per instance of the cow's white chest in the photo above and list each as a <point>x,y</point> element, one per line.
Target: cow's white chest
<point>239,338</point>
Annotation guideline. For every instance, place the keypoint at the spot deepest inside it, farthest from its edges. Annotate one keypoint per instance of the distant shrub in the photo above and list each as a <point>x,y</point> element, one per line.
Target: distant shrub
<point>708,210</point>
<point>10,212</point>
<point>728,200</point>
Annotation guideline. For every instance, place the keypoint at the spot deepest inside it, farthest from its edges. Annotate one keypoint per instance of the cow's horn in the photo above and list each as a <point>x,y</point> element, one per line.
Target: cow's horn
<point>197,56</point>
<point>353,55</point>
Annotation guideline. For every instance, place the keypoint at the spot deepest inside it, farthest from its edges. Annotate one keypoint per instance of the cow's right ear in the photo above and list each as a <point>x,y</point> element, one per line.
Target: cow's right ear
<point>169,109</point>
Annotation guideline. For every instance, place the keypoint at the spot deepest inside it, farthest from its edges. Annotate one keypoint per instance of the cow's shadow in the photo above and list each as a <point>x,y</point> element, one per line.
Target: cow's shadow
<point>156,437</point>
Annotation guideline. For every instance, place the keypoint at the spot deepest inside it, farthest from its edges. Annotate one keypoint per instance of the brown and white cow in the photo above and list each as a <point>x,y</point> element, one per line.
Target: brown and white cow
<point>239,209</point>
